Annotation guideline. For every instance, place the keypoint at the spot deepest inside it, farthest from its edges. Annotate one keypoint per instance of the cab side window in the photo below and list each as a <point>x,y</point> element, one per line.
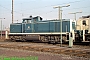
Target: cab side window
<point>84,22</point>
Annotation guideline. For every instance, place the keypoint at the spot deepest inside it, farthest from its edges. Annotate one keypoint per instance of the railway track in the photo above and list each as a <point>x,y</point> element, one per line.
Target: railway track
<point>79,51</point>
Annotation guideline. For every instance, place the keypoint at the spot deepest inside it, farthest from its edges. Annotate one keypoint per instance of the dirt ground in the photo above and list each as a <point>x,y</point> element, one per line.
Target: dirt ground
<point>6,52</point>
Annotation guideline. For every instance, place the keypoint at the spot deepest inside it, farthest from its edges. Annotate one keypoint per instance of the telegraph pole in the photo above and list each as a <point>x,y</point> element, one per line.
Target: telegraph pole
<point>60,18</point>
<point>1,27</point>
<point>12,11</point>
<point>59,12</point>
<point>75,14</point>
<point>71,39</point>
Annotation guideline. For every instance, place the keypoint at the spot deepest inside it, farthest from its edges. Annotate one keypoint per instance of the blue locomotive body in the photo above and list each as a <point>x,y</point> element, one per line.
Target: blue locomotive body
<point>44,30</point>
<point>42,26</point>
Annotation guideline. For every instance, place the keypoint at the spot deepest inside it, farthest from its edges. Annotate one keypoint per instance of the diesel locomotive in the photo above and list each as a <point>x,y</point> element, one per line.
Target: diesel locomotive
<point>35,28</point>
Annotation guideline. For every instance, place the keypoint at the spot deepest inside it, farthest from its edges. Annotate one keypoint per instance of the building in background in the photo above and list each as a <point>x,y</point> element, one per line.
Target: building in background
<point>83,23</point>
<point>3,33</point>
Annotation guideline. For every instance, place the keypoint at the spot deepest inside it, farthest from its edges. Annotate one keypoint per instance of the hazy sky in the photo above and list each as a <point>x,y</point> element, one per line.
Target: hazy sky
<point>43,8</point>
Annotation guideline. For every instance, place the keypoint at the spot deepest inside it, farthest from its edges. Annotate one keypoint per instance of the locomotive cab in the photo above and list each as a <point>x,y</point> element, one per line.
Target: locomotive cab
<point>32,19</point>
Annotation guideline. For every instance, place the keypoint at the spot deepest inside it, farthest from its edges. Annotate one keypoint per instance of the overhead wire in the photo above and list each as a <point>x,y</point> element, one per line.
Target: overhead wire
<point>70,9</point>
<point>55,5</point>
<point>49,6</point>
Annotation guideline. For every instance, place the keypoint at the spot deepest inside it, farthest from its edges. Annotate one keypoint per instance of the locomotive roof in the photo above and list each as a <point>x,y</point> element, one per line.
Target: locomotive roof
<point>57,20</point>
<point>32,18</point>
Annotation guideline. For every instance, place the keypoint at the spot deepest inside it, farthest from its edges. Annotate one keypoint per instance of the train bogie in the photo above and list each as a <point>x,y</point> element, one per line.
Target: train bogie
<point>42,37</point>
